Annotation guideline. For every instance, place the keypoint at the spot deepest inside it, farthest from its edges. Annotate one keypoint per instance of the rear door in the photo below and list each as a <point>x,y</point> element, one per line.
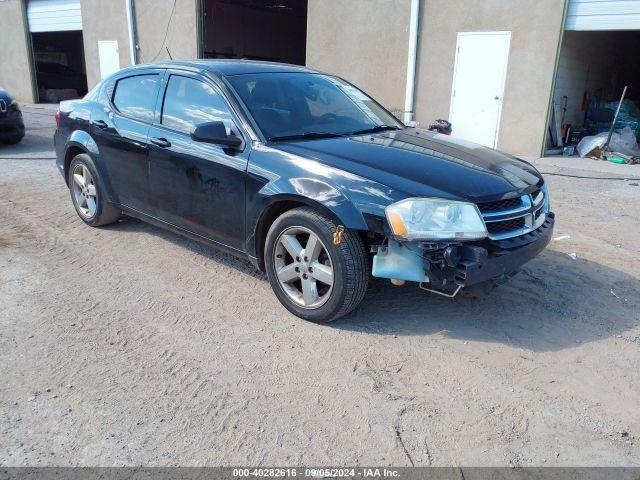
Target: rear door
<point>121,130</point>
<point>197,186</point>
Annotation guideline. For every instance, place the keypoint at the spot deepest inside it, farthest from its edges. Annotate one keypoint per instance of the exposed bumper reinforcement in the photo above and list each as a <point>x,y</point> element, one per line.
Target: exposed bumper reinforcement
<point>478,265</point>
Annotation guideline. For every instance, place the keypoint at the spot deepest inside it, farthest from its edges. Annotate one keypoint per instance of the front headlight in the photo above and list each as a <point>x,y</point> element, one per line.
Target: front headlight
<point>435,219</point>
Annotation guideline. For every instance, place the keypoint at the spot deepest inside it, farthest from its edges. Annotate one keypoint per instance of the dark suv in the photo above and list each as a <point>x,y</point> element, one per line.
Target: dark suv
<point>303,174</point>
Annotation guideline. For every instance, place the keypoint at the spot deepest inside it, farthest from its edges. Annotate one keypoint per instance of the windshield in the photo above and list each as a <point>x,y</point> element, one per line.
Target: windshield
<point>299,105</point>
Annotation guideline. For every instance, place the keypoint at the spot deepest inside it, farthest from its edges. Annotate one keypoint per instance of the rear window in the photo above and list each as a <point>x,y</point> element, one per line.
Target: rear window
<point>135,97</point>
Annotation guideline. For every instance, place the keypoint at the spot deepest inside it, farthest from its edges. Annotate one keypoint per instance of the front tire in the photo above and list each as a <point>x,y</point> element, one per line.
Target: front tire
<point>88,193</point>
<point>312,277</point>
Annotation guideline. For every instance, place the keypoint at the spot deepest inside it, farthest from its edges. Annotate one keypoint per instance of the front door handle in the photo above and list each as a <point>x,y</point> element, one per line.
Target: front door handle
<point>161,142</point>
<point>100,124</point>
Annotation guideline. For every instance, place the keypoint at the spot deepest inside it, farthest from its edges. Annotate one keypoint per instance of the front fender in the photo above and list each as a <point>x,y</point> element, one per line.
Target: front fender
<point>315,192</point>
<point>274,177</point>
<point>271,200</point>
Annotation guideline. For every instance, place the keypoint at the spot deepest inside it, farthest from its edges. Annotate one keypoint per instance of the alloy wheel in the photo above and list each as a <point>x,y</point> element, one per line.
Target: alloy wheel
<point>84,191</point>
<point>303,267</point>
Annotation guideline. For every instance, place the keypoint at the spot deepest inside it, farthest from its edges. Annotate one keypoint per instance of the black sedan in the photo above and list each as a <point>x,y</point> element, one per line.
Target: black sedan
<point>303,174</point>
<point>11,123</point>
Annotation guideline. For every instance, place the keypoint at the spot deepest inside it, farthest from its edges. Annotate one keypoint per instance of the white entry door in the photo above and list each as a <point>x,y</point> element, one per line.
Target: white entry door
<point>109,57</point>
<point>478,85</point>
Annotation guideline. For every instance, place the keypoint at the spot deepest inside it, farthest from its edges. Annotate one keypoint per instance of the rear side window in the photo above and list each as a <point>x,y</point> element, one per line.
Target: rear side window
<point>189,102</point>
<point>135,97</point>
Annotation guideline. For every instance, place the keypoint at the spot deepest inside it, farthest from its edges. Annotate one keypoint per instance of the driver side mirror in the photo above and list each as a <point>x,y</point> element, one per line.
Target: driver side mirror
<point>215,133</point>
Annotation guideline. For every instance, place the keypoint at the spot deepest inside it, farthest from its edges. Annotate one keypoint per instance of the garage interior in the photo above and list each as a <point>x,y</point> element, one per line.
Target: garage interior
<point>59,65</point>
<point>593,70</point>
<point>598,58</point>
<point>271,30</point>
<point>57,47</point>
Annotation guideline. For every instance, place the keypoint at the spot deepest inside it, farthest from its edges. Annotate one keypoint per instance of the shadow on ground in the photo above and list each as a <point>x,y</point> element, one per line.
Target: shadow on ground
<point>555,302</point>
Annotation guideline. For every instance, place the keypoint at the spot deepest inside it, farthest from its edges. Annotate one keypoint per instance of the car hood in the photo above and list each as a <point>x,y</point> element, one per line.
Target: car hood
<point>423,163</point>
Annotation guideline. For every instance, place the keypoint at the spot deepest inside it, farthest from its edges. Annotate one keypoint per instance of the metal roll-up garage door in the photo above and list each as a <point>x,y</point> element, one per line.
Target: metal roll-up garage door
<point>54,15</point>
<point>603,15</point>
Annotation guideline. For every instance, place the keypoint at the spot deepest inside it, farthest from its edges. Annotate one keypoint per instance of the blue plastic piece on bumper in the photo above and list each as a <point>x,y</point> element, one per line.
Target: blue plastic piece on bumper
<point>399,262</point>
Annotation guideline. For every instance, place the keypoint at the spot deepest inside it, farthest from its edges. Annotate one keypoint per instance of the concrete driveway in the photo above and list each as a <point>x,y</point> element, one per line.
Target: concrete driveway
<point>130,345</point>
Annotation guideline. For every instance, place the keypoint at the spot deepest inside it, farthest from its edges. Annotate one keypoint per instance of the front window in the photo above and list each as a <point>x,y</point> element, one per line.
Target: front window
<point>189,102</point>
<point>292,105</point>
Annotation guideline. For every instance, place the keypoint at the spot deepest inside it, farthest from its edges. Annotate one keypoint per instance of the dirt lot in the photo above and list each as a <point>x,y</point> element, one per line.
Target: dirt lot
<point>128,345</point>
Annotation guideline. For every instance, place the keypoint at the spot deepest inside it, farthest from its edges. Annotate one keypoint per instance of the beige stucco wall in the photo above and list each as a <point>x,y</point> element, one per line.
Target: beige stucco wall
<point>536,28</point>
<point>103,21</point>
<point>182,38</point>
<point>152,18</point>
<point>15,64</point>
<point>363,41</point>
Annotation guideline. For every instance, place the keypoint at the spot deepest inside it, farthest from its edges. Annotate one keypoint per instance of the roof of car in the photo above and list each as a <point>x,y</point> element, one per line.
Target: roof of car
<point>226,67</point>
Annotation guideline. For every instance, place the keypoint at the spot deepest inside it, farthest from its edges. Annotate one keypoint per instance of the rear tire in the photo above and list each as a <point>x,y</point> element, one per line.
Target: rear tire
<point>338,275</point>
<point>88,193</point>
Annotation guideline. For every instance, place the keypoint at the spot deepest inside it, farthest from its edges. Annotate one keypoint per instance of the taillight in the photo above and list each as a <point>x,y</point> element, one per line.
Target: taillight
<point>57,118</point>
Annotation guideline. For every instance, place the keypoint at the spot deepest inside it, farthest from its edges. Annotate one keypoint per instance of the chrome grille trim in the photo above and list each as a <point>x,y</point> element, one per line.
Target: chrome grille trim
<point>539,198</point>
<point>533,211</point>
<point>512,213</point>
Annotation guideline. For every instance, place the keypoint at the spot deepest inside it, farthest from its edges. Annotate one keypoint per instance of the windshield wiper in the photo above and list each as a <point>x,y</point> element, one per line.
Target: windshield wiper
<point>314,135</point>
<point>374,129</point>
<point>305,135</point>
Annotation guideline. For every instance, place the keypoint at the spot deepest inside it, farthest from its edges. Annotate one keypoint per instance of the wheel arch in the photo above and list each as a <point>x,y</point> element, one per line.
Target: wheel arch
<point>280,204</point>
<point>70,153</point>
<point>81,142</point>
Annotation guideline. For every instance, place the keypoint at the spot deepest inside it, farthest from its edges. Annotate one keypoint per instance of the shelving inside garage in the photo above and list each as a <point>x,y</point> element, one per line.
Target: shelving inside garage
<point>598,58</point>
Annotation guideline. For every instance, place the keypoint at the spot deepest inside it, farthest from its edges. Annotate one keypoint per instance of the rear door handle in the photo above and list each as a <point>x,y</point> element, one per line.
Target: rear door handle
<point>161,142</point>
<point>100,124</point>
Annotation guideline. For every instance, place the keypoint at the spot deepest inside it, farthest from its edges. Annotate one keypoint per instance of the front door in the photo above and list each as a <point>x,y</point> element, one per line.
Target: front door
<point>197,186</point>
<point>478,86</point>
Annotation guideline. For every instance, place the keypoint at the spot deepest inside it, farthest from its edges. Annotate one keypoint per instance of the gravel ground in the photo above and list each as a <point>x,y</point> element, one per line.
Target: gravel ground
<point>129,345</point>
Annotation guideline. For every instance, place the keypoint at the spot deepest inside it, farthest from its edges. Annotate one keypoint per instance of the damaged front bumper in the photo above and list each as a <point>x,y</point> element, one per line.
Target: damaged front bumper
<point>446,268</point>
